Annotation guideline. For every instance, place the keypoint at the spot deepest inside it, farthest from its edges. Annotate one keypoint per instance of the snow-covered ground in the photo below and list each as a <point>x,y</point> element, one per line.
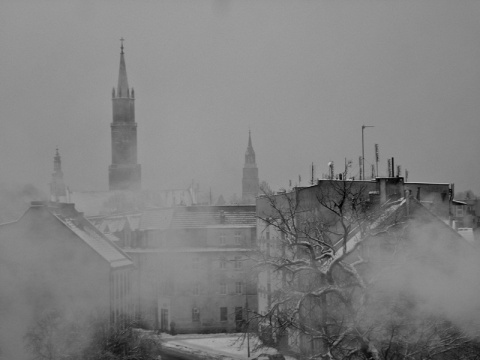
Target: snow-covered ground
<point>215,346</point>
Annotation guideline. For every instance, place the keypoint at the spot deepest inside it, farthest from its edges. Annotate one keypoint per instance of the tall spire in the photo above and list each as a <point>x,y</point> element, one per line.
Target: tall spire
<point>124,173</point>
<point>250,182</point>
<point>122,87</point>
<point>250,153</point>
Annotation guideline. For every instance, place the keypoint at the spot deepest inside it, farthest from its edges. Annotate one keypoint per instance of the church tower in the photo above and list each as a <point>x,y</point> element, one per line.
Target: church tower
<point>124,173</point>
<point>250,183</point>
<point>58,191</point>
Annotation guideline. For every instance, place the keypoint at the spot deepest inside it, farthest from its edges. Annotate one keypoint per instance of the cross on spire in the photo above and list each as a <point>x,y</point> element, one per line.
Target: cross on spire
<point>121,46</point>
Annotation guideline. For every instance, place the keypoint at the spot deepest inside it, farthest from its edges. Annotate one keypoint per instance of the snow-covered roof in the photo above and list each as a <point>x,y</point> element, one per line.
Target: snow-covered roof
<point>467,234</point>
<point>183,217</point>
<point>425,183</point>
<point>391,213</point>
<point>98,242</point>
<point>89,234</point>
<point>186,250</point>
<point>116,223</point>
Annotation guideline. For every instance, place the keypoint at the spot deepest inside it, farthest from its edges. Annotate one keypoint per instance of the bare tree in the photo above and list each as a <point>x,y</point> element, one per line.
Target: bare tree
<point>53,336</point>
<point>326,253</point>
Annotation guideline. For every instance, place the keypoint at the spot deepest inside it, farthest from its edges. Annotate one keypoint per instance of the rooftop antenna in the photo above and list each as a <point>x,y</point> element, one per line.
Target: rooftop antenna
<point>360,164</point>
<point>313,175</point>
<point>363,152</point>
<point>331,168</point>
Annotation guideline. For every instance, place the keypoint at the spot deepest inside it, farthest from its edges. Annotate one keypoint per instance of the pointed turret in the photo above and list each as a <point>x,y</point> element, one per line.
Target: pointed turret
<point>250,182</point>
<point>250,153</point>
<point>57,162</point>
<point>122,87</point>
<point>58,191</point>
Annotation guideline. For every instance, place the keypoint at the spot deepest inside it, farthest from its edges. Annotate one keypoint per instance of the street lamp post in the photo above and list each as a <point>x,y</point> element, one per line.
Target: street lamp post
<point>363,152</point>
<point>247,325</point>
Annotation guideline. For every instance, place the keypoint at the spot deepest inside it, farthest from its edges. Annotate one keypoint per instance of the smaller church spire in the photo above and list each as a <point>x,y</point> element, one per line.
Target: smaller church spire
<point>57,186</point>
<point>57,162</point>
<point>250,153</point>
<point>122,87</point>
<point>250,182</point>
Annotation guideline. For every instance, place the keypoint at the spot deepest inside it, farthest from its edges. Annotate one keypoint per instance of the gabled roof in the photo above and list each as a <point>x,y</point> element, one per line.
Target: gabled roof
<point>400,211</point>
<point>388,213</point>
<point>98,242</point>
<point>87,232</point>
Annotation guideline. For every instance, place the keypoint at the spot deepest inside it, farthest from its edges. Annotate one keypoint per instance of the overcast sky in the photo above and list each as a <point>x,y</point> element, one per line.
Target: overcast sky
<point>304,76</point>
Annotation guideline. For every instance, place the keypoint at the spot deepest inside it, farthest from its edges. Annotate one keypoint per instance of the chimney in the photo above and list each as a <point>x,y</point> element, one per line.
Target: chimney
<point>38,203</point>
<point>407,202</point>
<point>383,189</point>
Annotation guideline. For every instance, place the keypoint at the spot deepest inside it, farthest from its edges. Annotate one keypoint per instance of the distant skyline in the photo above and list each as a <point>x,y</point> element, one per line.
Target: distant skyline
<point>302,76</point>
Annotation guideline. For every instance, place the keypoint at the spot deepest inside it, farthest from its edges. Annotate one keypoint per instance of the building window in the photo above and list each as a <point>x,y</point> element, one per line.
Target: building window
<point>195,314</point>
<point>238,313</point>
<point>223,288</point>
<point>223,263</point>
<point>222,238</point>
<point>238,262</point>
<point>238,237</point>
<point>223,314</point>
<point>459,210</point>
<point>238,287</point>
